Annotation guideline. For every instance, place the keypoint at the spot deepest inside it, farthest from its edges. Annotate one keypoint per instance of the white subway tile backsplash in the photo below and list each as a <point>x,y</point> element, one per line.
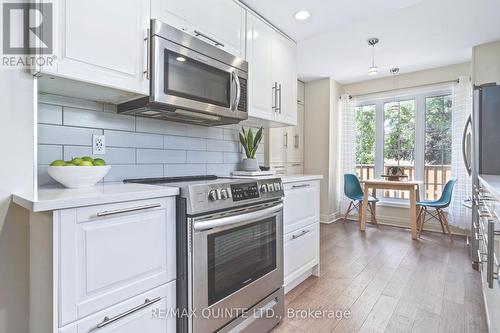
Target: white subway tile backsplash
<point>172,170</point>
<point>86,118</point>
<point>184,143</point>
<point>150,156</point>
<point>64,135</point>
<point>135,147</point>
<point>233,158</point>
<point>221,169</point>
<point>120,172</point>
<point>49,153</point>
<point>133,140</point>
<point>221,145</point>
<point>50,114</point>
<point>148,125</point>
<point>231,135</point>
<point>204,157</point>
<point>70,101</point>
<point>205,132</point>
<point>113,155</point>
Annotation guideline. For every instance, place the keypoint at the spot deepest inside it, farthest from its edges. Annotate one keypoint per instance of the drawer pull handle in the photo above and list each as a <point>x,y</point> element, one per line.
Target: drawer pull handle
<point>301,185</point>
<point>301,234</point>
<point>109,320</point>
<point>127,210</point>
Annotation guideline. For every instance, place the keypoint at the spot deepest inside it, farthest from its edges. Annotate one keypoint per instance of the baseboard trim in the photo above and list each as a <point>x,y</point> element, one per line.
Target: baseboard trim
<point>329,218</point>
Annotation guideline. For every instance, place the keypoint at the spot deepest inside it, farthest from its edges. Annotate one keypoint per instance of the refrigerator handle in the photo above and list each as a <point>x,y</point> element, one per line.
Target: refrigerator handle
<point>468,166</point>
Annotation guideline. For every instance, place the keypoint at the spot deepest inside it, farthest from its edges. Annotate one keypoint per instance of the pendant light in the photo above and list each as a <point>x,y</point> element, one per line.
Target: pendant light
<point>373,69</point>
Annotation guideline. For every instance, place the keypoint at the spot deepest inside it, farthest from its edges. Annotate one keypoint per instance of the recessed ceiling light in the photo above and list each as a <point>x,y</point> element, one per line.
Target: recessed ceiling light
<point>302,15</point>
<point>181,59</point>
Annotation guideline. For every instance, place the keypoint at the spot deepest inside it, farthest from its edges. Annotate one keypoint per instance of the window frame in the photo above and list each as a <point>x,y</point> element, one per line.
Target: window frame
<point>379,100</point>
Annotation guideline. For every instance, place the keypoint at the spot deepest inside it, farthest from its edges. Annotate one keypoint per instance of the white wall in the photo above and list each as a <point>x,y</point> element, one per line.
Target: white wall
<point>320,140</point>
<point>408,80</point>
<point>486,63</point>
<point>16,174</point>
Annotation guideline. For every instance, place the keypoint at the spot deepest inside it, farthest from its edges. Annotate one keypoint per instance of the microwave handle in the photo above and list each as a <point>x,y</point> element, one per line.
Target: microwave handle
<point>238,90</point>
<point>236,219</point>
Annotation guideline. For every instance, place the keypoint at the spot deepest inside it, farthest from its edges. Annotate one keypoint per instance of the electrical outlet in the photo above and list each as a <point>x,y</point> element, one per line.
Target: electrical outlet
<point>98,144</point>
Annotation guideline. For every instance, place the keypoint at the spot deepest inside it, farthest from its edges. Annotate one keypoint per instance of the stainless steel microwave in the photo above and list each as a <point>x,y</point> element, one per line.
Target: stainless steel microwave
<point>191,81</point>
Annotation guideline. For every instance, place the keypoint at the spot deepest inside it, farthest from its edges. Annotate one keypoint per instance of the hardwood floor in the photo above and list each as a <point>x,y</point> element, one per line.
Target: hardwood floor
<point>388,283</point>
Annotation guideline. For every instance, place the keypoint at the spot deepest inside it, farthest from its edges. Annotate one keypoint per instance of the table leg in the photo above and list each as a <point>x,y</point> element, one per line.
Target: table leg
<point>364,206</point>
<point>413,213</point>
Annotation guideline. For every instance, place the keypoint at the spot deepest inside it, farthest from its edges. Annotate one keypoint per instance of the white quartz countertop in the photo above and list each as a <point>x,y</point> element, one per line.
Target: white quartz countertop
<point>300,178</point>
<point>55,197</point>
<point>492,184</point>
<point>286,178</point>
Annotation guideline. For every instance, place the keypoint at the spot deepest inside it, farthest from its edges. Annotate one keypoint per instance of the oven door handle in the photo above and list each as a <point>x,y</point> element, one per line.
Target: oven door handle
<point>224,221</point>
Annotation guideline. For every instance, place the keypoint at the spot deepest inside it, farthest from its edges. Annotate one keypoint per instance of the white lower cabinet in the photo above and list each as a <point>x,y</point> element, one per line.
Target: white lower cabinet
<point>148,312</point>
<point>301,231</point>
<point>104,260</point>
<point>114,261</point>
<point>301,252</point>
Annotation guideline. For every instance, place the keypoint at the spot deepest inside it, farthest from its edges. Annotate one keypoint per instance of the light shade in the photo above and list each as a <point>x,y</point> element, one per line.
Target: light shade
<point>302,15</point>
<point>373,70</point>
<point>181,59</point>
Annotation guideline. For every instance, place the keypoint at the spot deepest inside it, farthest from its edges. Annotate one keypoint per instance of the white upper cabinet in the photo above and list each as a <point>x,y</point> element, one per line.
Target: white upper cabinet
<point>285,74</point>
<point>260,65</point>
<point>273,73</point>
<point>102,43</point>
<point>218,22</point>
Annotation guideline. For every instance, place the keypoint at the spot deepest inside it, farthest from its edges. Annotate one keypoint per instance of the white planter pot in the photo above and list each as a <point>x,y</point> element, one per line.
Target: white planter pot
<point>250,164</point>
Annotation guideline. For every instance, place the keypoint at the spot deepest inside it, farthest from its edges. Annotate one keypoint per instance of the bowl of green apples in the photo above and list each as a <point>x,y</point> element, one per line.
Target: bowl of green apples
<point>80,172</point>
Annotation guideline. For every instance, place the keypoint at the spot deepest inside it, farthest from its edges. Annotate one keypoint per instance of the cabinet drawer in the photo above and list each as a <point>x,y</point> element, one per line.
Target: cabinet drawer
<point>93,213</point>
<point>301,251</point>
<point>107,259</point>
<point>301,205</point>
<point>149,312</point>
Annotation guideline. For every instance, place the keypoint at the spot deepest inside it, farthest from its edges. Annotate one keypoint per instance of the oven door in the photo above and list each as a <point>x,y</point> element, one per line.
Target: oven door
<point>237,262</point>
<point>191,81</point>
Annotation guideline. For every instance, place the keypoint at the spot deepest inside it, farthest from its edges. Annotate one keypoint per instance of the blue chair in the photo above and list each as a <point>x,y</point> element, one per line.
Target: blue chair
<point>438,205</point>
<point>353,190</point>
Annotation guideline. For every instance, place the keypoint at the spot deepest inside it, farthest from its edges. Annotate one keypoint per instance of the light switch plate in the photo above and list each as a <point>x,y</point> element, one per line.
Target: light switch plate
<point>98,144</point>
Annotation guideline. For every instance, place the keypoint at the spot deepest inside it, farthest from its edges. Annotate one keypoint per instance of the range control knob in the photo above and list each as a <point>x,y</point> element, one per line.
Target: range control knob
<point>212,195</point>
<point>263,188</point>
<point>223,194</point>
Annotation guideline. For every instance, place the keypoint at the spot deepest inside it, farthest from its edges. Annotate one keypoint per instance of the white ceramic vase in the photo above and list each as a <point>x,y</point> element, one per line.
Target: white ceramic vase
<point>250,164</point>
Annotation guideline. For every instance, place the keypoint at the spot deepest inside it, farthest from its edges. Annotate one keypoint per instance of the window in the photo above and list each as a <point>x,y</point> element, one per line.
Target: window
<point>410,130</point>
<point>365,141</point>
<point>399,141</point>
<point>437,145</point>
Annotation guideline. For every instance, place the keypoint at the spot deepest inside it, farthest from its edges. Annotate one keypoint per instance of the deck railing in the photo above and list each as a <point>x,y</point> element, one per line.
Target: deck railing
<point>435,177</point>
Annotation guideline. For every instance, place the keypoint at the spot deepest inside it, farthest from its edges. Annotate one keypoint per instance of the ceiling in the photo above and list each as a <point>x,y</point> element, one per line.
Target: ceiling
<point>414,34</point>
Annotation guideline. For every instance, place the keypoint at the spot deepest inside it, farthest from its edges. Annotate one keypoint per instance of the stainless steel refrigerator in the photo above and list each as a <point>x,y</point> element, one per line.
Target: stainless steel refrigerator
<point>481,146</point>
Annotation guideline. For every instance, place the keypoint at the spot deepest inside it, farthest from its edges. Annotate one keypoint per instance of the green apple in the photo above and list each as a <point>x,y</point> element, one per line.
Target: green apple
<point>86,163</point>
<point>58,163</point>
<point>69,164</point>
<point>77,161</point>
<point>99,162</point>
<point>88,159</point>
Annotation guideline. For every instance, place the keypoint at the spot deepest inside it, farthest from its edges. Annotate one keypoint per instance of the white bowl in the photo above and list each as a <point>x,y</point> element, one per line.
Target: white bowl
<point>78,176</point>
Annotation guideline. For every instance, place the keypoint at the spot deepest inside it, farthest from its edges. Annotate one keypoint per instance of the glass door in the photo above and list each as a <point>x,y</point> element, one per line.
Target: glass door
<point>239,256</point>
<point>192,79</point>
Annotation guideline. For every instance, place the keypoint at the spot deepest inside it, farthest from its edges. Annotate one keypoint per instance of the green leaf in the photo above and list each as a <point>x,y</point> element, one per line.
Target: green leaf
<point>243,142</point>
<point>250,140</point>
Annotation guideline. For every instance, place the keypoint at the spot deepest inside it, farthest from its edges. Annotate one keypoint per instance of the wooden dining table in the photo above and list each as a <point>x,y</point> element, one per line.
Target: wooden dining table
<point>381,184</point>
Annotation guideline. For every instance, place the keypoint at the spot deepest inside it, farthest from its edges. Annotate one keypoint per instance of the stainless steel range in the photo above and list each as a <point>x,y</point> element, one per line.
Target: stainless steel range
<point>229,253</point>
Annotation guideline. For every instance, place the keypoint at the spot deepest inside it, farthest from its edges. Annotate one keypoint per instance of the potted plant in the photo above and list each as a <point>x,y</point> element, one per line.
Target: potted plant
<point>250,144</point>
